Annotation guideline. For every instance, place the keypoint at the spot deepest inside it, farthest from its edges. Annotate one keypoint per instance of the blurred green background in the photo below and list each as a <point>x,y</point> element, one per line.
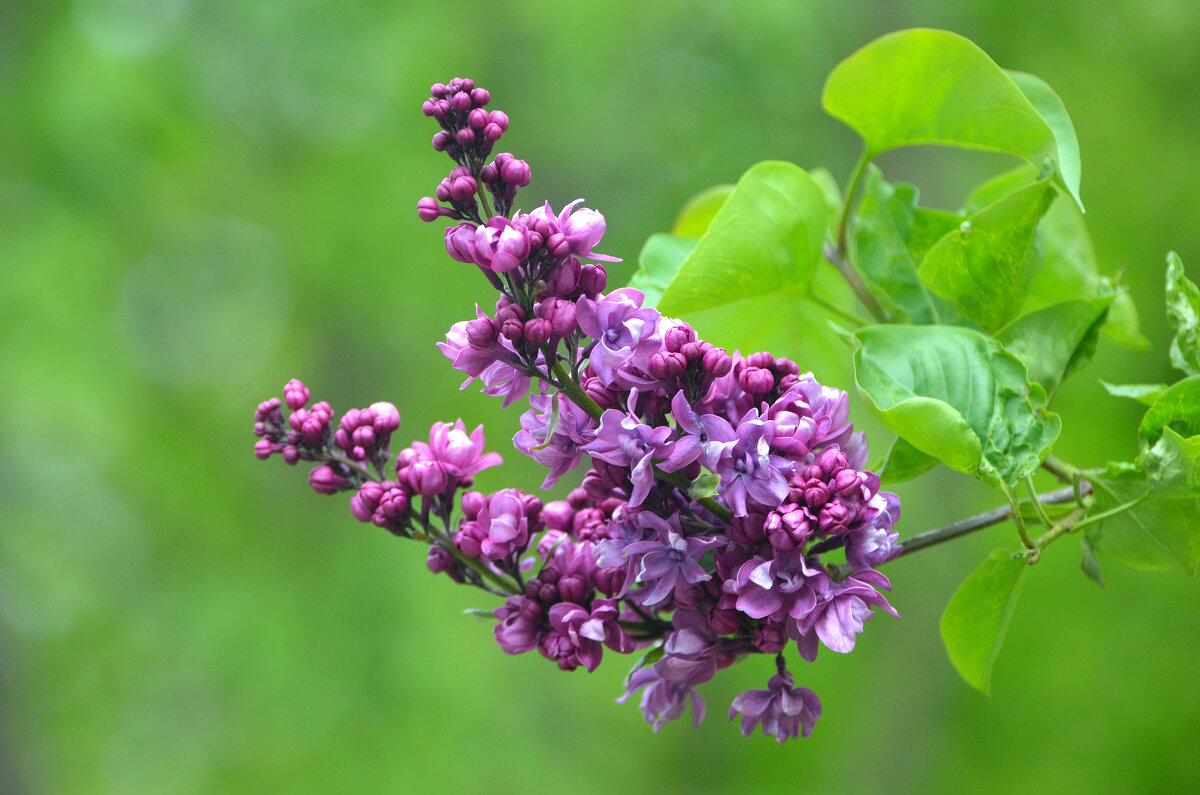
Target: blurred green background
<point>200,200</point>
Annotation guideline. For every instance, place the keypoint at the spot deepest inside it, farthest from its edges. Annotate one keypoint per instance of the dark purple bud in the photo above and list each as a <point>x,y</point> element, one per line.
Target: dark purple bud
<point>717,362</point>
<point>816,494</point>
<point>558,515</point>
<point>677,336</point>
<point>427,107</point>
<point>460,242</point>
<point>692,352</point>
<point>610,581</point>
<point>463,188</point>
<point>438,90</point>
<point>847,480</point>
<point>500,119</point>
<point>831,460</point>
<point>477,118</point>
<point>427,478</point>
<point>593,279</point>
<point>756,380</point>
<point>472,503</point>
<point>558,244</point>
<point>480,332</point>
<point>480,96</point>
<point>516,172</point>
<point>387,417</point>
<point>538,331</point>
<point>441,139</point>
<point>489,173</point>
<point>263,449</point>
<point>291,454</point>
<point>439,560</point>
<point>465,137</point>
<point>363,504</point>
<point>771,638</point>
<point>461,101</point>
<point>664,365</point>
<point>428,209</point>
<point>325,481</point>
<point>296,394</point>
<point>512,329</point>
<point>762,360</point>
<point>492,132</point>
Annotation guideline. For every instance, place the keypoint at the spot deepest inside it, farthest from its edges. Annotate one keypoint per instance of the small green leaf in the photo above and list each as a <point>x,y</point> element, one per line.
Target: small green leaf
<point>985,266</point>
<point>697,213</point>
<point>1151,531</point>
<point>1123,327</point>
<point>977,617</point>
<point>1090,565</point>
<point>480,613</point>
<point>891,236</point>
<point>904,462</point>
<point>934,87</point>
<point>1051,108</point>
<point>833,194</point>
<point>1172,465</point>
<point>1142,393</point>
<point>765,240</point>
<point>705,485</point>
<point>1183,315</point>
<point>1055,341</point>
<point>957,395</point>
<point>652,655</point>
<point>1177,408</point>
<point>658,263</point>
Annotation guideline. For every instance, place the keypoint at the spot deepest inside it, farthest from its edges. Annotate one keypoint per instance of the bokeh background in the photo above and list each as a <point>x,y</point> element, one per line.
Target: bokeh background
<point>200,200</point>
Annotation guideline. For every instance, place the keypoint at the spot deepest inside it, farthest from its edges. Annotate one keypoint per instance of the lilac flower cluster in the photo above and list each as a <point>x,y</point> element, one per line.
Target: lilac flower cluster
<point>725,509</point>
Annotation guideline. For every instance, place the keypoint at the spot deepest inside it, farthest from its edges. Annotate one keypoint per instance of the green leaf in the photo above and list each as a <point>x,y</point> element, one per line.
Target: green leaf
<point>1183,315</point>
<point>652,655</point>
<point>977,617</point>
<point>482,614</point>
<point>705,485</point>
<point>1142,393</point>
<point>697,213</point>
<point>1153,531</point>
<point>1055,341</point>
<point>765,240</point>
<point>1122,326</point>
<point>658,263</point>
<point>984,267</point>
<point>957,395</point>
<point>1172,465</point>
<point>904,462</point>
<point>1090,565</point>
<point>935,87</point>
<point>1177,408</point>
<point>1051,108</point>
<point>891,236</point>
<point>833,194</point>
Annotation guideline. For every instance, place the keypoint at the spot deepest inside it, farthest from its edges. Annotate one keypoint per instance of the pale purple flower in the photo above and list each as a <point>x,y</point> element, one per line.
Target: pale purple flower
<point>580,229</point>
<point>748,469</point>
<point>521,626</point>
<point>622,329</point>
<point>702,438</point>
<point>460,454</point>
<point>500,245</point>
<point>587,632</point>
<point>623,440</point>
<point>838,618</point>
<point>779,588</point>
<point>783,711</point>
<point>665,562</point>
<point>664,700</point>
<point>563,451</point>
<point>501,528</point>
<point>877,543</point>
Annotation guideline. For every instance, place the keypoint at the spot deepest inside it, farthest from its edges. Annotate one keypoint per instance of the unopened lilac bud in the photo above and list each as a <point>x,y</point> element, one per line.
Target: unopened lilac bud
<point>460,101</point>
<point>691,351</point>
<point>847,481</point>
<point>770,638</point>
<point>291,454</point>
<point>489,173</point>
<point>364,437</point>
<point>756,380</point>
<point>465,137</point>
<point>762,359</point>
<point>675,337</point>
<point>516,172</point>
<point>499,118</point>
<point>816,494</point>
<point>512,329</point>
<point>466,84</point>
<point>472,503</point>
<point>480,96</point>
<point>387,417</point>
<point>263,449</point>
<point>364,503</point>
<point>561,315</point>
<point>296,394</point>
<point>558,245</point>
<point>427,478</point>
<point>463,188</point>
<point>427,107</point>
<point>441,139</point>
<point>460,242</point>
<point>492,132</point>
<point>480,332</point>
<point>558,515</point>
<point>664,365</point>
<point>478,118</point>
<point>572,588</point>
<point>717,362</point>
<point>831,460</point>
<point>538,331</point>
<point>438,90</point>
<point>439,560</point>
<point>593,279</point>
<point>428,209</point>
<point>325,481</point>
<point>268,409</point>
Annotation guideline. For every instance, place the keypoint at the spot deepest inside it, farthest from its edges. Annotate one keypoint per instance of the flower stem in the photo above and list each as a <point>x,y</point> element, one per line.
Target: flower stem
<point>972,523</point>
<point>840,256</point>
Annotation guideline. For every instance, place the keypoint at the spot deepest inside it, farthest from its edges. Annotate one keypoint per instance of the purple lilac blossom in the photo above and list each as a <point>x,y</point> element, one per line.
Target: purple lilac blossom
<point>622,329</point>
<point>782,710</point>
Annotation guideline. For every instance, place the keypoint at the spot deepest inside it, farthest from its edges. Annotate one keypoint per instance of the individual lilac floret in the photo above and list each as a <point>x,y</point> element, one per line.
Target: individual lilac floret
<point>624,331</point>
<point>578,230</point>
<point>782,710</point>
<point>563,450</point>
<point>460,454</point>
<point>664,700</point>
<point>748,469</point>
<point>838,618</point>
<point>521,624</point>
<point>497,526</point>
<point>624,441</point>
<point>702,438</point>
<point>669,560</point>
<point>579,635</point>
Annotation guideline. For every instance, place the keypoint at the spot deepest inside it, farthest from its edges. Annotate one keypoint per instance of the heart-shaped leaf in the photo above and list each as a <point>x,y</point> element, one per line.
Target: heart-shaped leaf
<point>976,619</point>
